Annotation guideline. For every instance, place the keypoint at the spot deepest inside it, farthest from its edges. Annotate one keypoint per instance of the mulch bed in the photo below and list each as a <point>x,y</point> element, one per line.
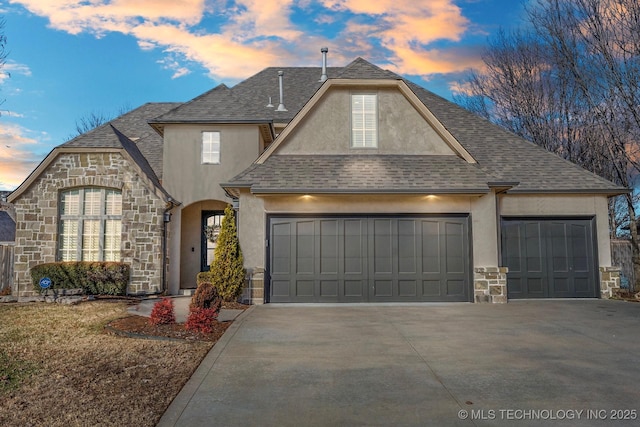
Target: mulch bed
<point>141,327</point>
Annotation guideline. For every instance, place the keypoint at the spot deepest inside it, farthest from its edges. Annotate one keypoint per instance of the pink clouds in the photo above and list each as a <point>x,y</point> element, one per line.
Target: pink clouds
<point>16,161</point>
<point>251,34</point>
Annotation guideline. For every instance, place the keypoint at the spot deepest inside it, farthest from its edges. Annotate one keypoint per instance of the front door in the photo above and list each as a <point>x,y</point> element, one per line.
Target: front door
<point>211,222</point>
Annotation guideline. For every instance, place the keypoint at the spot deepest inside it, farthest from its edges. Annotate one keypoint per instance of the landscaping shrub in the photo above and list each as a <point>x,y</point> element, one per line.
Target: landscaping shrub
<point>204,277</point>
<point>206,296</point>
<point>5,291</point>
<point>227,269</point>
<point>201,319</point>
<point>95,278</point>
<point>163,312</point>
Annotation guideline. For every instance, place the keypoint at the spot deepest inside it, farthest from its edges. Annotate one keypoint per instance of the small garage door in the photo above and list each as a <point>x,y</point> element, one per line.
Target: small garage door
<point>368,259</point>
<point>549,258</point>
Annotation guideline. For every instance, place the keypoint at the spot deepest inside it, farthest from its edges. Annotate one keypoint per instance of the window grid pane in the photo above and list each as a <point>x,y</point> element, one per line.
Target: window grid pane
<point>92,201</point>
<point>69,240</point>
<point>112,240</point>
<point>91,241</point>
<point>210,147</point>
<point>364,121</point>
<point>71,203</point>
<point>113,205</point>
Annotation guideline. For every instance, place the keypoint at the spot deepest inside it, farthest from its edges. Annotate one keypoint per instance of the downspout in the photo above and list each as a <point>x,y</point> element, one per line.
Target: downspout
<point>166,219</point>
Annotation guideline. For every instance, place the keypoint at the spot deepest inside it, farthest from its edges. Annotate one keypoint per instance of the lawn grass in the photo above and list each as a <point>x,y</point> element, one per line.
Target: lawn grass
<point>59,368</point>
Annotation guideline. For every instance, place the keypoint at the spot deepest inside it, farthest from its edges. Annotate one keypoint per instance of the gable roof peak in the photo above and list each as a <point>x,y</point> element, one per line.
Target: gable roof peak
<point>360,68</point>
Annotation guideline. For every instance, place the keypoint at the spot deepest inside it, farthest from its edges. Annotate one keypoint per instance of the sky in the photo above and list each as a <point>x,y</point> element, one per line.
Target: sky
<point>70,59</point>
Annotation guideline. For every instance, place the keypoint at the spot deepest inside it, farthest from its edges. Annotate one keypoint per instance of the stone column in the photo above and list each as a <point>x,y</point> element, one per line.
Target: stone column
<point>253,292</point>
<point>490,284</point>
<point>609,281</point>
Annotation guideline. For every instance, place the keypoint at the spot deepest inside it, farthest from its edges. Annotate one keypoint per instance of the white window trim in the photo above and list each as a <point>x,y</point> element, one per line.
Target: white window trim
<point>211,154</point>
<point>80,219</point>
<point>374,143</point>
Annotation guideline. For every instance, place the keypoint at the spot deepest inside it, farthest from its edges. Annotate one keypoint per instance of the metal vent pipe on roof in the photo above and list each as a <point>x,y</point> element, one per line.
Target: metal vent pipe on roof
<point>324,51</point>
<point>281,105</point>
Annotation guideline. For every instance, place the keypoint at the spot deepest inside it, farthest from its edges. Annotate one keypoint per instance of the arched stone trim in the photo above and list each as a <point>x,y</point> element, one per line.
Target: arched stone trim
<point>91,181</point>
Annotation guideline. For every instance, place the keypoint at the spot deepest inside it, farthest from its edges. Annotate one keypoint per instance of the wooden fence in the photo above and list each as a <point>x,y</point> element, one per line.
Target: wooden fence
<point>6,265</point>
<point>621,257</point>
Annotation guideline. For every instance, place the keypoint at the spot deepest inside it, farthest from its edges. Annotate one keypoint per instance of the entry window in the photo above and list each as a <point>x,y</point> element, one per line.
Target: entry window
<point>90,225</point>
<point>211,226</point>
<point>210,147</point>
<point>364,120</point>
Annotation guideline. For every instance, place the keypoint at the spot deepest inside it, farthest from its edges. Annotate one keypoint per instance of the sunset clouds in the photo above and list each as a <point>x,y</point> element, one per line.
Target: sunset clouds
<point>16,155</point>
<point>248,34</point>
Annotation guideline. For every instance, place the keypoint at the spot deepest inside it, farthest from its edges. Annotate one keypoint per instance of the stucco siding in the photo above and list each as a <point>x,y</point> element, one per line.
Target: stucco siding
<point>401,129</point>
<point>186,178</point>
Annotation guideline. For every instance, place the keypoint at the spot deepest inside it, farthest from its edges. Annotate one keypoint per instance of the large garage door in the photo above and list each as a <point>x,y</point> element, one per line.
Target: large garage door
<point>360,259</point>
<point>549,258</point>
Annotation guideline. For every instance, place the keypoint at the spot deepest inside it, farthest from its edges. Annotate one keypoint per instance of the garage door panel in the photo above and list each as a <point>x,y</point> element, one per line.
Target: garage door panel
<point>431,288</point>
<point>431,247</point>
<point>329,288</point>
<point>549,258</point>
<point>355,288</point>
<point>328,246</point>
<point>369,259</point>
<point>455,287</point>
<point>382,246</point>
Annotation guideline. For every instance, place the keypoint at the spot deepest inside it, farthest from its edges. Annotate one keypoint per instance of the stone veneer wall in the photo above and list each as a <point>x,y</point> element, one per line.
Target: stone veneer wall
<point>253,292</point>
<point>609,281</point>
<point>490,284</point>
<point>37,216</point>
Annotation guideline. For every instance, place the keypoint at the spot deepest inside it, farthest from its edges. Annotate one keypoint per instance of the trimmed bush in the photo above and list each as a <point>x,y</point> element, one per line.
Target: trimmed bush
<point>206,296</point>
<point>201,319</point>
<point>95,278</point>
<point>204,277</point>
<point>227,269</point>
<point>163,312</point>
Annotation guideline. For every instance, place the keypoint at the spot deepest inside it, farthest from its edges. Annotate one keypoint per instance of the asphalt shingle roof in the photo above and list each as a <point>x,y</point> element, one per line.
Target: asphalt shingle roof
<point>134,125</point>
<point>247,101</point>
<point>364,174</point>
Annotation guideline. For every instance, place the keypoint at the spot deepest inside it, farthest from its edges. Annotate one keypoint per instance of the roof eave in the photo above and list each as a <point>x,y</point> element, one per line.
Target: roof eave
<point>416,191</point>
<point>597,191</point>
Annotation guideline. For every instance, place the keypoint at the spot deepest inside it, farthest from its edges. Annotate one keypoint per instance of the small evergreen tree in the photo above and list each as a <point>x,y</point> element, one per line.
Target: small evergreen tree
<point>227,268</point>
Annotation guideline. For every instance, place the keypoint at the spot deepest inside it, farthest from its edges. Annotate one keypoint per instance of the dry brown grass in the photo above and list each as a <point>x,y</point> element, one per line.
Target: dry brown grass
<point>59,368</point>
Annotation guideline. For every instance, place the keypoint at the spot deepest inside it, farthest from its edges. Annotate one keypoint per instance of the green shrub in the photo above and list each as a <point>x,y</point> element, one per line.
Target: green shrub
<point>206,296</point>
<point>204,277</point>
<point>95,278</point>
<point>227,269</point>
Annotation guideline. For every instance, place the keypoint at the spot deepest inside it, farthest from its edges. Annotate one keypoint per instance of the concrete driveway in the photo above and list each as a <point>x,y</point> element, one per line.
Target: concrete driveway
<point>574,362</point>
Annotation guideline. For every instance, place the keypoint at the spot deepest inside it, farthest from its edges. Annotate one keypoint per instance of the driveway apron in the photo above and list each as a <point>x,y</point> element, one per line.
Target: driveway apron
<point>572,362</point>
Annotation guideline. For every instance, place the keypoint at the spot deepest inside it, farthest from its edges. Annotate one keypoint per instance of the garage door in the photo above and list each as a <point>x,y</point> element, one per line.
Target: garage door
<point>549,258</point>
<point>368,259</point>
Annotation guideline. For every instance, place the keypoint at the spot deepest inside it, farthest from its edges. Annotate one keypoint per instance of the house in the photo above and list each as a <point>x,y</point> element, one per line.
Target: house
<point>7,238</point>
<point>351,184</point>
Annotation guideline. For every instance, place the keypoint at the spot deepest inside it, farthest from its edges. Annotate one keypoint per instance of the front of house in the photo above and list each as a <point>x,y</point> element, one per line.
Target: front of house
<point>351,184</point>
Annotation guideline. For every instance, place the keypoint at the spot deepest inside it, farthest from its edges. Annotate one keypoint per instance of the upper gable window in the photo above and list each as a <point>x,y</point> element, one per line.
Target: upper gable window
<point>210,147</point>
<point>364,120</point>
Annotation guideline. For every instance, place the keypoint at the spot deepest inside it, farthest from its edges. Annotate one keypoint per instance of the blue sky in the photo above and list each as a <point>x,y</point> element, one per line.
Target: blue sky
<point>68,59</point>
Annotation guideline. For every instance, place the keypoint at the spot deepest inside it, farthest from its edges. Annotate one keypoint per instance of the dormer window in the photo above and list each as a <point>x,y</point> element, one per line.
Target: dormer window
<point>364,120</point>
<point>210,147</point>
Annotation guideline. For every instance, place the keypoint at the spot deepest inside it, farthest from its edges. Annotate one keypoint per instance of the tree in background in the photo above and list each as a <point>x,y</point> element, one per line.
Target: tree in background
<point>3,50</point>
<point>227,268</point>
<point>95,119</point>
<point>570,82</point>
